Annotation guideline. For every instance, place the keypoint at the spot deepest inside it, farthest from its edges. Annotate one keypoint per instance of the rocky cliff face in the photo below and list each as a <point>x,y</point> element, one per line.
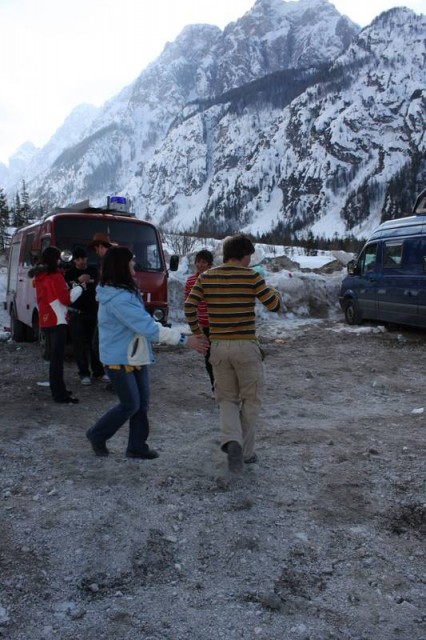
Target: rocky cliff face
<point>289,119</point>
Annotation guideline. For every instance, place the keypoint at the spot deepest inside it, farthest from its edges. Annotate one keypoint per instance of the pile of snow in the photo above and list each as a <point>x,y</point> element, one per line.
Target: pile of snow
<point>306,295</point>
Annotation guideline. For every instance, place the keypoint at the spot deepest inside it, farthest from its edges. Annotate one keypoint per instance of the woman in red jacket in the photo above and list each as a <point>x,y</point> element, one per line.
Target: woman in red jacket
<point>53,298</point>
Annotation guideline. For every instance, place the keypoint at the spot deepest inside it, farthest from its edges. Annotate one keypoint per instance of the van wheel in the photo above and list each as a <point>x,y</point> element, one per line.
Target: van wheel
<point>352,313</point>
<point>32,332</point>
<point>17,328</point>
<point>40,337</point>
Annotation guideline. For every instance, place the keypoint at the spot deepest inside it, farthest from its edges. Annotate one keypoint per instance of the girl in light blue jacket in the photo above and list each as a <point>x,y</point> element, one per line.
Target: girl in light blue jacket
<point>126,331</point>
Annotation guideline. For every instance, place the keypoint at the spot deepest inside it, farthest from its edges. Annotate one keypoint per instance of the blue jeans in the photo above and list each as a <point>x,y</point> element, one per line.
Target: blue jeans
<point>132,390</point>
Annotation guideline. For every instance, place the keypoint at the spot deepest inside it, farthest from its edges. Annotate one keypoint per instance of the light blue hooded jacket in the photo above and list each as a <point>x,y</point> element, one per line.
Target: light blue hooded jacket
<point>121,316</point>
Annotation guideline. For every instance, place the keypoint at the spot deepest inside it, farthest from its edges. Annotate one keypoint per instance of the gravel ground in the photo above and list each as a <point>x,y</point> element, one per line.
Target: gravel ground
<point>322,539</point>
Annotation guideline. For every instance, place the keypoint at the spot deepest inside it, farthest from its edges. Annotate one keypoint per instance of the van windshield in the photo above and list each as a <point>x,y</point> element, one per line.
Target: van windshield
<point>142,239</point>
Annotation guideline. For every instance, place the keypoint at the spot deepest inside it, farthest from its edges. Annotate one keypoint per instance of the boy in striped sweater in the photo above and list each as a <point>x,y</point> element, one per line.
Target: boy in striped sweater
<point>203,261</point>
<point>230,292</point>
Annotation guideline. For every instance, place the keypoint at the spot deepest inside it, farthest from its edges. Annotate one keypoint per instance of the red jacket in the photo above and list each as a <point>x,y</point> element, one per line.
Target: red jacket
<point>203,316</point>
<point>53,298</point>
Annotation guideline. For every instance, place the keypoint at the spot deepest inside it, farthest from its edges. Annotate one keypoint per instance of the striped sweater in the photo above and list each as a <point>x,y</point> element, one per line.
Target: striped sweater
<point>230,292</point>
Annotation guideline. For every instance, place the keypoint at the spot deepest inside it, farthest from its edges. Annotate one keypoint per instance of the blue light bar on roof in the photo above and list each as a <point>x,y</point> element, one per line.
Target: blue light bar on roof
<point>118,203</point>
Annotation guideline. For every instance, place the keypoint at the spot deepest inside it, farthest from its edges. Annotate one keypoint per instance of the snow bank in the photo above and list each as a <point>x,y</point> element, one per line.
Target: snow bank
<point>305,295</point>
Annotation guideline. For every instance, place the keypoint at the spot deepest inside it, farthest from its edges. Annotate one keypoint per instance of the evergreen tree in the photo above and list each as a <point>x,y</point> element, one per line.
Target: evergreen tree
<point>25,204</point>
<point>18,220</point>
<point>22,212</point>
<point>4,221</point>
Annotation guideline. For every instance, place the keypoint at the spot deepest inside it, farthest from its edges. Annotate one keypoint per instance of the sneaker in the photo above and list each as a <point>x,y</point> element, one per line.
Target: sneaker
<point>102,378</point>
<point>100,449</point>
<point>235,456</point>
<point>252,460</point>
<point>85,380</point>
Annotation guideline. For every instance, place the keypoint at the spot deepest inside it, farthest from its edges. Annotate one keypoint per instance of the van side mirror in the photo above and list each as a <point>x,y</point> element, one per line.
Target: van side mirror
<point>353,268</point>
<point>174,263</point>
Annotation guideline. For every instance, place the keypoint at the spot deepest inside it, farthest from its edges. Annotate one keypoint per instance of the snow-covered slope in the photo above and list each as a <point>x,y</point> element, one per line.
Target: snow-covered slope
<point>346,149</point>
<point>290,119</point>
<point>29,163</point>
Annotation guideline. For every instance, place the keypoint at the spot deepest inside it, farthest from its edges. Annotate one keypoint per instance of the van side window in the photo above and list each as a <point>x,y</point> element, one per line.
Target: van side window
<point>27,260</point>
<point>414,254</point>
<point>368,259</point>
<point>392,255</point>
<point>45,242</point>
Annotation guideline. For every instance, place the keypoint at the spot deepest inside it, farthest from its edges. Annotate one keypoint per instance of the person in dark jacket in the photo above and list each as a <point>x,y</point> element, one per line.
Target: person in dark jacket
<point>83,317</point>
<point>53,299</point>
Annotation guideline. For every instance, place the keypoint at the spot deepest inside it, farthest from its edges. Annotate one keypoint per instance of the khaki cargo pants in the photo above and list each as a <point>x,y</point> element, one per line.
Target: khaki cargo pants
<point>239,381</point>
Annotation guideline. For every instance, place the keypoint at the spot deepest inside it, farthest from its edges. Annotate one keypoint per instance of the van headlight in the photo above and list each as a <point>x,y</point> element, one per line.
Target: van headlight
<point>159,315</point>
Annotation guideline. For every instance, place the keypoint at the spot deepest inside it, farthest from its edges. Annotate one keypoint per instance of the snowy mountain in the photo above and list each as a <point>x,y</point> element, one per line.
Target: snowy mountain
<point>291,119</point>
<point>28,162</point>
<point>19,161</point>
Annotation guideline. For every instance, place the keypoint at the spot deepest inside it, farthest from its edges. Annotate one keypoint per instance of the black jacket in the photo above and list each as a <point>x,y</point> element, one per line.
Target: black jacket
<point>86,303</point>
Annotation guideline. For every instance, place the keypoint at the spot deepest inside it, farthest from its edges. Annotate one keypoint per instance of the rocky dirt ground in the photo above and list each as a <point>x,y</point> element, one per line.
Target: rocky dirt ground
<point>323,539</point>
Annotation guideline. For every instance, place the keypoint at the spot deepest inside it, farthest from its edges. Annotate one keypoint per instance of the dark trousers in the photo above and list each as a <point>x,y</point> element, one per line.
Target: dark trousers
<point>132,390</point>
<point>209,367</point>
<point>82,329</point>
<point>57,338</point>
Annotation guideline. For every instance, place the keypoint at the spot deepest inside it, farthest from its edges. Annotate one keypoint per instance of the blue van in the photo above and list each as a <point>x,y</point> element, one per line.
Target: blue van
<point>387,281</point>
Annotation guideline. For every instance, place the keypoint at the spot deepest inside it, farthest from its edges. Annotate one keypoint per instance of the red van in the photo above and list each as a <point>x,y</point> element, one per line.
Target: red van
<point>75,226</point>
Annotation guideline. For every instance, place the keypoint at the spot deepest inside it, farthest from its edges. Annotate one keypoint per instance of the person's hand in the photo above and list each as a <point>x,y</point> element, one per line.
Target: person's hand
<point>199,343</point>
<point>84,278</point>
<point>277,293</point>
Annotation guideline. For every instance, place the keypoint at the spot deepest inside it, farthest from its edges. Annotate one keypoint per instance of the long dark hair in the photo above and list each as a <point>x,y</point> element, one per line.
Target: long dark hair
<point>49,259</point>
<point>115,269</point>
<point>48,262</point>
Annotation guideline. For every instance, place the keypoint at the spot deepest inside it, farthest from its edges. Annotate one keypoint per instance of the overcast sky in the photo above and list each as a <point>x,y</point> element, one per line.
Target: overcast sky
<point>55,55</point>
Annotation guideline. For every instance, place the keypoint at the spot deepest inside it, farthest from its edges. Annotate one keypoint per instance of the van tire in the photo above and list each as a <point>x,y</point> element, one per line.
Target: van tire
<point>17,328</point>
<point>34,331</point>
<point>40,337</point>
<point>352,313</point>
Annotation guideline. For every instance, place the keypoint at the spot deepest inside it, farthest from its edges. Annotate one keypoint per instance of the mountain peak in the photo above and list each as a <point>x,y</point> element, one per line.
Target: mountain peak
<point>289,120</point>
